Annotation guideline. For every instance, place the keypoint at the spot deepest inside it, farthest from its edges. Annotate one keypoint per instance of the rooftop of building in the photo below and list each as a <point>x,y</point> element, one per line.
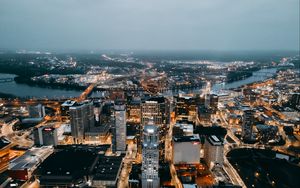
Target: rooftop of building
<point>184,121</point>
<point>134,102</point>
<point>193,138</point>
<point>31,158</point>
<point>189,185</point>
<point>68,103</point>
<point>156,99</point>
<point>107,167</point>
<point>4,142</point>
<point>80,104</point>
<point>68,161</point>
<point>186,129</point>
<point>119,106</point>
<point>119,102</point>
<point>150,128</point>
<point>183,125</point>
<point>215,140</point>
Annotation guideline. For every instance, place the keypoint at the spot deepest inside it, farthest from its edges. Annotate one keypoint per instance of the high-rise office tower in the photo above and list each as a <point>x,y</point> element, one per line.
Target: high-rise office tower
<point>247,126</point>
<point>250,95</point>
<point>133,109</point>
<point>157,109</point>
<point>213,151</point>
<point>295,100</point>
<point>207,101</point>
<point>37,111</point>
<point>214,100</point>
<point>206,93</point>
<point>150,165</point>
<point>211,101</point>
<point>98,106</point>
<point>119,127</point>
<point>82,118</point>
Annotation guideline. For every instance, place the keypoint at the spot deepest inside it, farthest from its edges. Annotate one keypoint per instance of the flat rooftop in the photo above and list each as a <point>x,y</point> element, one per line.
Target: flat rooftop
<point>31,158</point>
<point>68,103</point>
<point>215,140</point>
<point>193,138</point>
<point>107,167</point>
<point>68,162</point>
<point>158,99</point>
<point>4,142</point>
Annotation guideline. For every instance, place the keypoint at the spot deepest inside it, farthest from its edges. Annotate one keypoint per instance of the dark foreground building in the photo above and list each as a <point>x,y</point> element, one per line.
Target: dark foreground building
<point>79,166</point>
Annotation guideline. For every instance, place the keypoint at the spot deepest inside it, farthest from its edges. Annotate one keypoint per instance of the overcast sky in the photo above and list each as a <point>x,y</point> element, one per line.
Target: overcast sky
<point>149,24</point>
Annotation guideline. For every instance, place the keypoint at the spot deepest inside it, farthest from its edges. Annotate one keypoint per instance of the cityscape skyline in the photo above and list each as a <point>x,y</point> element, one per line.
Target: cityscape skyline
<point>149,94</point>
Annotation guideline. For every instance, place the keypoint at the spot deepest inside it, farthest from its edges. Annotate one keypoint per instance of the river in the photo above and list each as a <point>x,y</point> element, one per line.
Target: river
<point>23,90</point>
<point>257,76</point>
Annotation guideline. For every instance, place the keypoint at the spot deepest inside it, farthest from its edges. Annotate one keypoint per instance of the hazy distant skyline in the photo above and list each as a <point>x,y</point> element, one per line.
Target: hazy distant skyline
<point>227,25</point>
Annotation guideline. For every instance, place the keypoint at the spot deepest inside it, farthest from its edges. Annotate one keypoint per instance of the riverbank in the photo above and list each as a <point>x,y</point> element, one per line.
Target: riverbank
<point>257,76</point>
<point>51,85</point>
<point>13,89</point>
<point>30,89</point>
<point>238,75</point>
<point>7,96</point>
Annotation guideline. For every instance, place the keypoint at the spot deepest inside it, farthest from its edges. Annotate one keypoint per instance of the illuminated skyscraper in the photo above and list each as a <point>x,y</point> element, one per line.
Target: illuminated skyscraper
<point>119,128</point>
<point>37,111</point>
<point>156,109</point>
<point>248,120</point>
<point>213,151</point>
<point>82,118</point>
<point>150,165</point>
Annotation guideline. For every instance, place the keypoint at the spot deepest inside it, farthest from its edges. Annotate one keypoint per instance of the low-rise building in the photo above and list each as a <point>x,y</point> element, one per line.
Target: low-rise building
<point>23,167</point>
<point>107,170</point>
<point>45,136</point>
<point>70,166</point>
<point>5,145</point>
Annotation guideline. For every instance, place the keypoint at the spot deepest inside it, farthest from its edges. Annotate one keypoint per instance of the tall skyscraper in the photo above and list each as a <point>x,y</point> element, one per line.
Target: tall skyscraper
<point>82,118</point>
<point>156,109</point>
<point>250,95</point>
<point>119,128</point>
<point>213,151</point>
<point>211,101</point>
<point>207,101</point>
<point>295,100</point>
<point>98,106</point>
<point>247,126</point>
<point>214,100</point>
<point>37,111</point>
<point>150,165</point>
